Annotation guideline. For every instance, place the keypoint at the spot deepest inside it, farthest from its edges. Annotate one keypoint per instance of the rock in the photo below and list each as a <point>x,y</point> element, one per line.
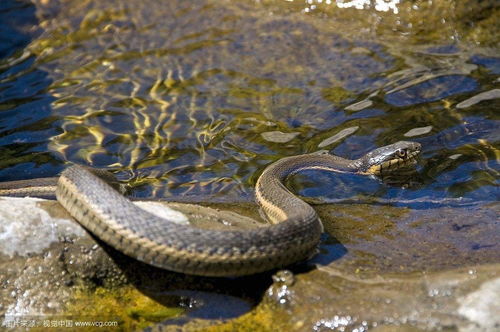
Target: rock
<point>369,274</point>
<point>278,136</point>
<point>361,105</point>
<point>418,131</point>
<point>481,307</point>
<point>52,268</point>
<point>25,234</point>
<point>487,95</point>
<point>43,255</point>
<point>338,136</point>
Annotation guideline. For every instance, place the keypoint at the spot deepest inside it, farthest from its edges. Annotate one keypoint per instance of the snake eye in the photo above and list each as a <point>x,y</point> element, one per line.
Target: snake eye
<point>401,153</point>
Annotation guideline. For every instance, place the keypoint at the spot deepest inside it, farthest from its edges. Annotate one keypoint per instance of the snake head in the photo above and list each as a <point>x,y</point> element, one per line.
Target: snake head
<point>390,157</point>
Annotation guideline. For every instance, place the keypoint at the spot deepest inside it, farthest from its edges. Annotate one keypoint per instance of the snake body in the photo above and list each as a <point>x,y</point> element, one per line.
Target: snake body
<point>294,235</point>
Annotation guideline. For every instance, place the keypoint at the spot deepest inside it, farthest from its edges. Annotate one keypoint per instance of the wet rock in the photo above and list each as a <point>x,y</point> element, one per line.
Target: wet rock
<point>43,255</point>
<point>359,105</point>
<point>482,306</point>
<point>418,131</point>
<point>372,273</point>
<point>487,95</point>
<point>338,136</point>
<point>376,274</point>
<point>280,291</point>
<point>278,136</point>
<point>25,234</point>
<point>51,267</point>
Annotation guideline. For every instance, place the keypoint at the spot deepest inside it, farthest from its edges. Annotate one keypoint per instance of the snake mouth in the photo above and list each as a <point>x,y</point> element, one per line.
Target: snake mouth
<point>393,164</point>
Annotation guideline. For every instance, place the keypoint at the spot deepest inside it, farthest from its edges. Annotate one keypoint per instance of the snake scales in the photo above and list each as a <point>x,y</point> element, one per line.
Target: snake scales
<point>293,237</point>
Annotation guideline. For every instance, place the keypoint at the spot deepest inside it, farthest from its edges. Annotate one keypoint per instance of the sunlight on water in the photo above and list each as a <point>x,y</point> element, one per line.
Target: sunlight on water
<point>178,108</point>
<point>380,5</point>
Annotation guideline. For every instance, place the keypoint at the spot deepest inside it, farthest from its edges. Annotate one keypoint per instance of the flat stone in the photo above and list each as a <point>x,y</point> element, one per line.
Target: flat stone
<point>487,95</point>
<point>359,105</point>
<point>418,131</point>
<point>278,136</point>
<point>338,136</point>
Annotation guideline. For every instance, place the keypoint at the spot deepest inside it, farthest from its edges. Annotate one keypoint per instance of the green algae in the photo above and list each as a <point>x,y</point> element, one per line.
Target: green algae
<point>130,308</point>
<point>336,94</point>
<point>360,222</point>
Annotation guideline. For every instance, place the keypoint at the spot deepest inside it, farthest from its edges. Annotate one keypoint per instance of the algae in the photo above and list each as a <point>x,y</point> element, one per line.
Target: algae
<point>132,309</point>
<point>265,317</point>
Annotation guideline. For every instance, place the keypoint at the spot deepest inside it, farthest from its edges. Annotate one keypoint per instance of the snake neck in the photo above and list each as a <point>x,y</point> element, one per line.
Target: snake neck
<point>277,202</point>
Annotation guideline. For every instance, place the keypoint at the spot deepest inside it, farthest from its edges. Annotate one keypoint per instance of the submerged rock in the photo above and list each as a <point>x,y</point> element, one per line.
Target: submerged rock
<point>278,136</point>
<point>418,131</point>
<point>338,136</point>
<point>487,95</point>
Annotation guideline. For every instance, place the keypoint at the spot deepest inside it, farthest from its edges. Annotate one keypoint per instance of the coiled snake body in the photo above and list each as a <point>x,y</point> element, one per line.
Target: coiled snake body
<point>293,237</point>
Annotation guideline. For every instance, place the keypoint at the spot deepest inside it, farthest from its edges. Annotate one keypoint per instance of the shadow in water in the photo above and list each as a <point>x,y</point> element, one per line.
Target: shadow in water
<point>202,297</point>
<point>330,250</point>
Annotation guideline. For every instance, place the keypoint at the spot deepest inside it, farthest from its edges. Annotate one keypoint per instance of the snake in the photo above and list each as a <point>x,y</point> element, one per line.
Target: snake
<point>292,236</point>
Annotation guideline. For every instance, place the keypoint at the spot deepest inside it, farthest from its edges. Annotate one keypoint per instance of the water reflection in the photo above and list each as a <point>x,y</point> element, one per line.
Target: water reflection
<point>380,5</point>
<point>26,119</point>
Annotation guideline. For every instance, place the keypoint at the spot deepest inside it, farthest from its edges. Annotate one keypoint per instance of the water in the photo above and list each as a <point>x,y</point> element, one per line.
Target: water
<point>197,98</point>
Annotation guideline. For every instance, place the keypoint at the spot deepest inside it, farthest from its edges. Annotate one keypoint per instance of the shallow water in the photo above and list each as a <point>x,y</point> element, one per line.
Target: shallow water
<point>197,99</point>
